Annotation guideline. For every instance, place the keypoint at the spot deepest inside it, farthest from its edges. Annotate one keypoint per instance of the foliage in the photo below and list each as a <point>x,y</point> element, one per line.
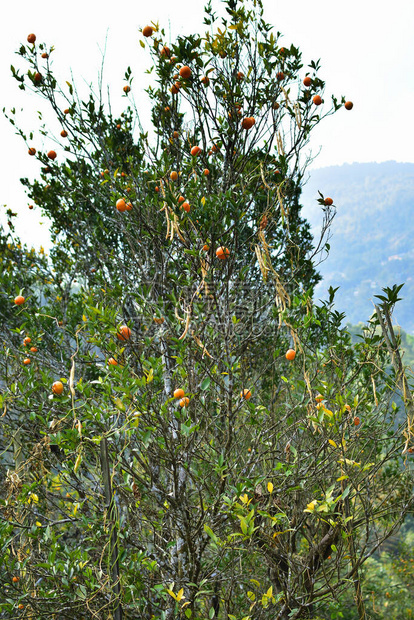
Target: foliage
<point>119,499</point>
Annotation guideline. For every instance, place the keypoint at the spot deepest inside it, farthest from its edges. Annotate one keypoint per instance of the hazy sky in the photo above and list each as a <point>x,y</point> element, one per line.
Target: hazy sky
<point>366,49</point>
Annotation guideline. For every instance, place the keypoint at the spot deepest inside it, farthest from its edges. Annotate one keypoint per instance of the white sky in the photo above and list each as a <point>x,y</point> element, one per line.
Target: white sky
<point>366,49</point>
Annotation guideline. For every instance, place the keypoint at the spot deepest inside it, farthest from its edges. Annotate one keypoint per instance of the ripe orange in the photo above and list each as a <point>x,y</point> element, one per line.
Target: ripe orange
<point>33,349</point>
<point>45,55</point>
<point>165,52</point>
<point>37,77</point>
<point>184,401</point>
<point>348,408</point>
<point>206,247</point>
<point>317,100</point>
<point>52,155</point>
<point>179,393</point>
<point>246,394</point>
<point>319,398</point>
<point>31,38</point>
<point>181,199</point>
<point>349,105</point>
<point>239,75</point>
<point>126,89</point>
<point>196,150</point>
<point>248,122</point>
<point>27,341</point>
<point>159,320</point>
<point>112,362</point>
<point>174,90</point>
<point>280,76</point>
<point>121,205</point>
<point>222,252</point>
<point>66,111</point>
<point>21,606</point>
<point>275,105</point>
<point>147,31</point>
<point>356,421</point>
<point>206,172</point>
<point>64,133</point>
<point>156,189</point>
<point>27,361</point>
<point>176,134</point>
<point>30,206</point>
<point>307,81</point>
<point>328,201</point>
<point>19,300</point>
<point>32,151</point>
<point>205,80</point>
<point>185,72</point>
<point>290,355</point>
<point>124,333</point>
<point>16,579</point>
<point>186,207</point>
<point>57,388</point>
<point>174,175</point>
<point>128,206</point>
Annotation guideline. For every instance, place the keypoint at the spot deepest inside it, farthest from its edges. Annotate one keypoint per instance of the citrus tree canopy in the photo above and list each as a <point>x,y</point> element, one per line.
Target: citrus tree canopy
<point>185,432</point>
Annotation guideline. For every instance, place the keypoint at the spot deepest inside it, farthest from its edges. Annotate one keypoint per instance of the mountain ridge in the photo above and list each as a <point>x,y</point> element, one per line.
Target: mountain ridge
<point>372,232</point>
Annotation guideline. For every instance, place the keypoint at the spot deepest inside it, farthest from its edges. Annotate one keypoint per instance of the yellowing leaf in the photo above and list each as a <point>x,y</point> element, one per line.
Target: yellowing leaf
<point>180,595</point>
<point>38,524</point>
<point>120,405</point>
<point>331,441</point>
<point>311,505</point>
<point>203,201</point>
<point>269,593</point>
<point>265,601</point>
<point>77,463</point>
<point>270,487</point>
<point>342,478</point>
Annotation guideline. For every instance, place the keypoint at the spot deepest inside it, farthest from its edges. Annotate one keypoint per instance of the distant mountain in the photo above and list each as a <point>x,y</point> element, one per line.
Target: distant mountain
<point>372,242</point>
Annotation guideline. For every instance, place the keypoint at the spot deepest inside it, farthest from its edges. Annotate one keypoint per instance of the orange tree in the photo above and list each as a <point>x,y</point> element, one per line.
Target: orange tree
<point>189,468</point>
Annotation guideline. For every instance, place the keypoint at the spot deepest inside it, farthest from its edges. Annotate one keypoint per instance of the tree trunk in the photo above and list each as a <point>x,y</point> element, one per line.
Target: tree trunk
<point>112,524</point>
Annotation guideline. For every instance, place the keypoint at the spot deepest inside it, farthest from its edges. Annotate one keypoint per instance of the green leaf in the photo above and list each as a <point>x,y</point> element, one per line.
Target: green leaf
<point>205,383</point>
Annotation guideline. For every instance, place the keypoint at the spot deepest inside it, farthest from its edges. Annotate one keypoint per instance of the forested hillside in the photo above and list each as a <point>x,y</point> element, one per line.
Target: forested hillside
<point>372,244</point>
